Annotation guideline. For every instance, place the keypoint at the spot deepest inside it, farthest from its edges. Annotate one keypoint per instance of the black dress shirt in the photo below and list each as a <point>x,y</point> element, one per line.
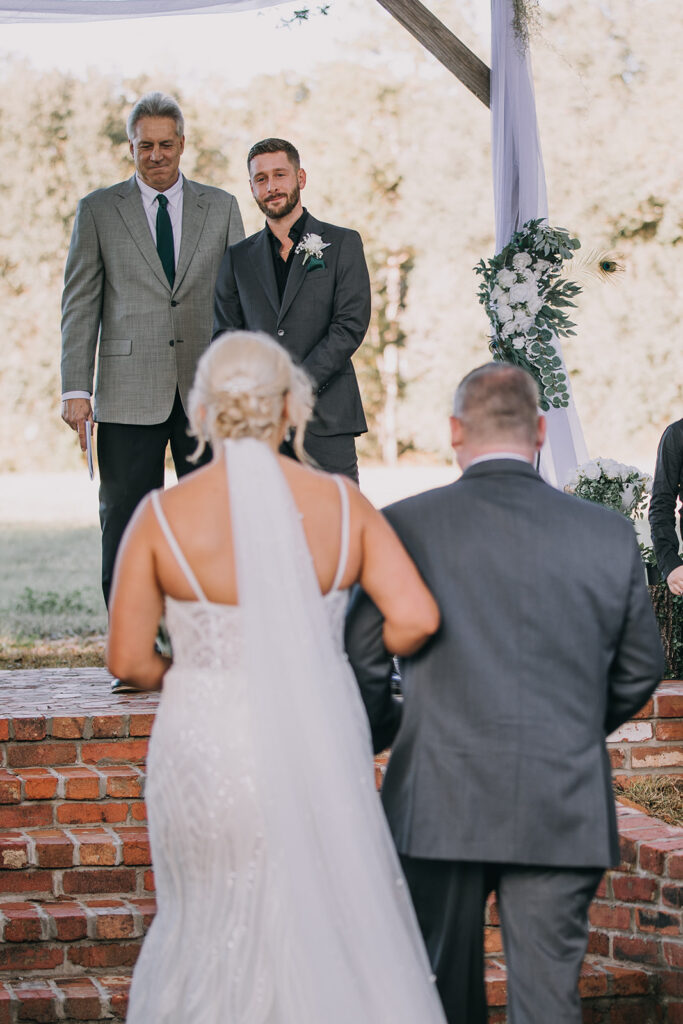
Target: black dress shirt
<point>667,487</point>
<point>281,266</point>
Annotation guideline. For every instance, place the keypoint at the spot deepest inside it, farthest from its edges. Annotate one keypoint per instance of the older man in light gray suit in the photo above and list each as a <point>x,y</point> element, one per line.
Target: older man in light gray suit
<point>499,778</point>
<point>138,294</point>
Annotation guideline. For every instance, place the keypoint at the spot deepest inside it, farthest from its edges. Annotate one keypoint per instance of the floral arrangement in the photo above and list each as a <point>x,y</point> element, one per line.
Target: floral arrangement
<point>625,489</point>
<point>312,245</point>
<point>525,297</point>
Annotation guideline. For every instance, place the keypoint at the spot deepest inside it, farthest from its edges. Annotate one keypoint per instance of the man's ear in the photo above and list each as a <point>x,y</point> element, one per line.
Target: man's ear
<point>541,431</point>
<point>457,434</point>
<point>301,177</point>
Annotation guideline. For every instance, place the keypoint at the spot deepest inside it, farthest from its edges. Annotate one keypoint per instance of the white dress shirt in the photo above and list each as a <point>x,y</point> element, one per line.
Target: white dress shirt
<point>500,455</point>
<point>174,194</point>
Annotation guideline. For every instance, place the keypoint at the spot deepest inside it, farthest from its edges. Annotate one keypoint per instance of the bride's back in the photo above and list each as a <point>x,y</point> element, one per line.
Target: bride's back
<point>199,515</point>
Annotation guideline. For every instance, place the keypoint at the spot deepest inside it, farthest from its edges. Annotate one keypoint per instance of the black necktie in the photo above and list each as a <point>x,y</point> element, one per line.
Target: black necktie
<point>165,239</point>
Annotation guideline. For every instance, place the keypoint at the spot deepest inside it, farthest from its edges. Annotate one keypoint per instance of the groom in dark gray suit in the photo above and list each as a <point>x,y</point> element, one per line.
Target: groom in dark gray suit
<point>499,777</point>
<point>306,284</point>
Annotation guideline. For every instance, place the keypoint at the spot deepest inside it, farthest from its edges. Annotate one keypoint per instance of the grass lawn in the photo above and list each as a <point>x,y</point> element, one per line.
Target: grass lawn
<point>51,606</point>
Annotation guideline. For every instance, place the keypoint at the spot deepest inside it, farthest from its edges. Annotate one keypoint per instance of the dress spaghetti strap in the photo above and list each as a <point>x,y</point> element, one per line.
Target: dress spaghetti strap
<point>345,532</point>
<point>175,547</point>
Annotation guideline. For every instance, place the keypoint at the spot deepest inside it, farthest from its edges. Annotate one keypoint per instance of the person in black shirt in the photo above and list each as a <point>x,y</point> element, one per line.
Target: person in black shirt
<point>666,490</point>
<point>306,284</point>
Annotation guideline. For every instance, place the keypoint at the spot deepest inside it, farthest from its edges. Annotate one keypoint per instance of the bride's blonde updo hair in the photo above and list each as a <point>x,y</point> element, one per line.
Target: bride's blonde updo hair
<point>239,391</point>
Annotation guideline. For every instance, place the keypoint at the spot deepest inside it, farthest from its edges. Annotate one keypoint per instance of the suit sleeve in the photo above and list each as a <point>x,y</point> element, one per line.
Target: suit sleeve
<point>350,315</point>
<point>638,662</point>
<point>227,309</point>
<point>81,303</point>
<point>662,514</point>
<point>235,225</point>
<point>373,667</point>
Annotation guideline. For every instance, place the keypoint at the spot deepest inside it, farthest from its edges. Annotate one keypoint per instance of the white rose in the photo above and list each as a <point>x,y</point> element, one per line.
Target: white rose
<point>529,277</point>
<point>627,496</point>
<point>642,528</point>
<point>518,342</point>
<point>496,293</point>
<point>505,278</point>
<point>523,322</point>
<point>534,304</point>
<point>542,266</point>
<point>521,260</point>
<point>508,329</point>
<point>504,312</point>
<point>591,470</point>
<point>520,294</point>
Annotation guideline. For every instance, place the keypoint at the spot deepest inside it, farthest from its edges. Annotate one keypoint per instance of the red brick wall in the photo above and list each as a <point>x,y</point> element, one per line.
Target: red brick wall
<point>652,743</point>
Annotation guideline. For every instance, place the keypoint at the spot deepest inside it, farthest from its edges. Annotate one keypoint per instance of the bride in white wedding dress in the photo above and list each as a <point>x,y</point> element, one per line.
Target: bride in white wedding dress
<point>280,897</point>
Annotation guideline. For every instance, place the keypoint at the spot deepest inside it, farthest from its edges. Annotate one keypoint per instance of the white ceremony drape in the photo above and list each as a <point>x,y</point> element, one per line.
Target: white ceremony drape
<point>106,10</point>
<point>519,194</point>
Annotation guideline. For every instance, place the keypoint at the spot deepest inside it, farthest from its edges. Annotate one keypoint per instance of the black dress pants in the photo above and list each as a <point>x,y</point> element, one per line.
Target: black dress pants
<point>335,453</point>
<point>131,463</point>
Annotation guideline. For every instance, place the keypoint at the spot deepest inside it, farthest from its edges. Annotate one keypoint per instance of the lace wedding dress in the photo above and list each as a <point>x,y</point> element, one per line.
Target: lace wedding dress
<point>280,897</point>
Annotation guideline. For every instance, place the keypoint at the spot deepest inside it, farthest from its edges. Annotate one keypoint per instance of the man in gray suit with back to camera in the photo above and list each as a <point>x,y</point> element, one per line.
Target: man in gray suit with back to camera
<point>138,293</point>
<point>306,284</point>
<point>499,777</point>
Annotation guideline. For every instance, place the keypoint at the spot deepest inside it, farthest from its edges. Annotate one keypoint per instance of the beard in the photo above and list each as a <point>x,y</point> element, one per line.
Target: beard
<point>292,198</point>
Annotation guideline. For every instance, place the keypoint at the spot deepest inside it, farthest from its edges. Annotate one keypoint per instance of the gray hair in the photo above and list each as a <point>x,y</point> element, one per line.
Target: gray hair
<point>498,401</point>
<point>155,104</point>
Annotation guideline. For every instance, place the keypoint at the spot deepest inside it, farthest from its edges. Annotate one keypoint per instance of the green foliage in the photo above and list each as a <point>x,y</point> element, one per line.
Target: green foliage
<point>51,603</point>
<point>525,300</point>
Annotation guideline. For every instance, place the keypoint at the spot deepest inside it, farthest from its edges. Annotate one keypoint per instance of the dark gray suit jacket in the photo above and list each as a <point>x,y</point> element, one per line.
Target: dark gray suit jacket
<point>323,317</point>
<point>548,642</point>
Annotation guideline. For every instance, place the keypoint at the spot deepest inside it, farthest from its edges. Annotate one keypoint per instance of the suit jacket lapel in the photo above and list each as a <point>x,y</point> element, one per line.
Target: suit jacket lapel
<point>129,204</point>
<point>298,271</point>
<point>261,257</point>
<point>195,209</point>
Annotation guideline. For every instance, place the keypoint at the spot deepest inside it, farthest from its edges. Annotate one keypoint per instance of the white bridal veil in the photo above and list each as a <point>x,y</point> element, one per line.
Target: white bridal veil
<point>353,952</point>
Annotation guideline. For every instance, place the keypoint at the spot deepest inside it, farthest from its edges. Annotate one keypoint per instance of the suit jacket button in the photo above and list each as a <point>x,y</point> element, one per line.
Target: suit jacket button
<point>173,302</point>
<point>171,342</point>
<point>280,333</point>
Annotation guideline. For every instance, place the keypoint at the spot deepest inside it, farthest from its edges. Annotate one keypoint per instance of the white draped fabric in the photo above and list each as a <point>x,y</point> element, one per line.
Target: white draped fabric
<point>520,195</point>
<point>107,10</point>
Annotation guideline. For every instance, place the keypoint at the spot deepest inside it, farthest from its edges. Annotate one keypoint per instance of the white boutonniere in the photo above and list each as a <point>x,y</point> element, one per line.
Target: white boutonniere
<point>312,247</point>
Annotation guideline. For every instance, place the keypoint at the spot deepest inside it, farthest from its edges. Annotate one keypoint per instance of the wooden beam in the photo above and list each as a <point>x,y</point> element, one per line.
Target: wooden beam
<point>445,46</point>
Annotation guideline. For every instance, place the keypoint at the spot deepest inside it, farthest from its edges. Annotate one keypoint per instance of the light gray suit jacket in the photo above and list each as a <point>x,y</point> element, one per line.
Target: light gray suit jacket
<point>116,293</point>
<point>548,642</point>
<point>321,321</point>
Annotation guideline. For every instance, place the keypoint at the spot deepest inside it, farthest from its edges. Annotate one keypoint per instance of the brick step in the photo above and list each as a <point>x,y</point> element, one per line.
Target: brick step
<point>611,995</point>
<point>71,795</point>
<point>66,999</point>
<point>98,861</point>
<point>108,738</point>
<point>55,939</point>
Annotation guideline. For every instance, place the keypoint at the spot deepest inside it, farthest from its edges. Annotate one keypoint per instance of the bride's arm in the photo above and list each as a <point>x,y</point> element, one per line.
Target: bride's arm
<point>388,575</point>
<point>136,606</point>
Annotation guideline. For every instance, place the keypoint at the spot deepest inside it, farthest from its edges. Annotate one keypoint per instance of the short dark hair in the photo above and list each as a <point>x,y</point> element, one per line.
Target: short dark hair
<point>275,146</point>
<point>155,104</point>
<point>498,401</point>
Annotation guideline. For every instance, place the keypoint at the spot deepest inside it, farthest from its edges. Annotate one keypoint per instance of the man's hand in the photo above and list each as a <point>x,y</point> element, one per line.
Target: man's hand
<point>675,580</point>
<point>75,412</point>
